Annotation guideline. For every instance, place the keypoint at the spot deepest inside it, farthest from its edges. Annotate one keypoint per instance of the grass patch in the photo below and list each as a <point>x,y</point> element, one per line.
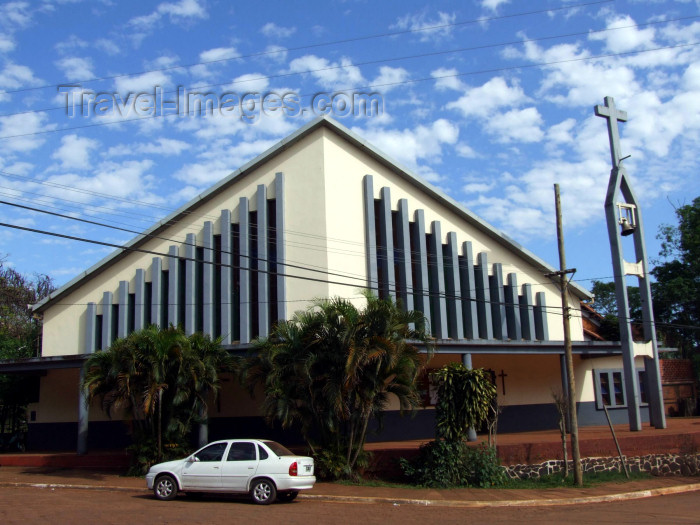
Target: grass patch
<point>590,479</point>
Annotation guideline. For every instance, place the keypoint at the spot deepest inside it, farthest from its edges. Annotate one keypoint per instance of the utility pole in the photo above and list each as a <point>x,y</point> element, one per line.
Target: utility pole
<point>571,383</point>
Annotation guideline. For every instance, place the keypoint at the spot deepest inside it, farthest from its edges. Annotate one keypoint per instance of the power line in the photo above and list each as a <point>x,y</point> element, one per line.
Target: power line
<point>322,44</point>
<point>387,60</point>
<point>140,234</point>
<point>374,86</point>
<point>262,271</point>
<point>252,236</point>
<point>554,310</point>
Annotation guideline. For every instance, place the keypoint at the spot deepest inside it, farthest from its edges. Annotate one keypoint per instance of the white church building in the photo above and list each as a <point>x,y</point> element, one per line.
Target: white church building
<point>324,214</point>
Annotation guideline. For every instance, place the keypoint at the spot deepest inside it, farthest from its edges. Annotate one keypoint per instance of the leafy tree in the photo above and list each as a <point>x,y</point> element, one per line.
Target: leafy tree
<point>160,379</point>
<point>464,400</point>
<point>19,338</point>
<point>605,303</point>
<point>676,292</point>
<point>330,370</point>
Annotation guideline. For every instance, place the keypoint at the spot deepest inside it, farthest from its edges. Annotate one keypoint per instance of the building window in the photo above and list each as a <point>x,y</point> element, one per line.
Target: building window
<point>610,388</point>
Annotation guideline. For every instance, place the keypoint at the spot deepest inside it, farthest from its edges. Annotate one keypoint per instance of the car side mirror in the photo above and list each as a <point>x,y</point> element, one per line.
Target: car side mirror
<point>192,459</point>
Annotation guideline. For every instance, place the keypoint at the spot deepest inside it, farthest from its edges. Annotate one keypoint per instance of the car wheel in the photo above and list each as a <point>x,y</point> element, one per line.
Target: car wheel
<point>263,491</point>
<point>165,488</point>
<point>288,496</point>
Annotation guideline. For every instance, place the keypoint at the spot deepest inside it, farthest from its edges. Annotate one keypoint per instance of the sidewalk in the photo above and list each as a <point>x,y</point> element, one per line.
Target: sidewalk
<point>57,479</point>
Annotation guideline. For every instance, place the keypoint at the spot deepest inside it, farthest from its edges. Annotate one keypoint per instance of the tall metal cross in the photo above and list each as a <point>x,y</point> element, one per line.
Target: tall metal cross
<point>612,115</point>
<point>619,183</point>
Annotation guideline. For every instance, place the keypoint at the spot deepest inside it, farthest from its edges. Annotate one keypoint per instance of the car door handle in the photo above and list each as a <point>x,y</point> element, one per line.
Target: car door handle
<point>251,468</point>
<point>216,468</point>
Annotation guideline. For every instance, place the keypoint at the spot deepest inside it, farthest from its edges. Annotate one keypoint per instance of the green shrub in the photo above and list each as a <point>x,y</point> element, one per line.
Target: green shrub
<point>144,453</point>
<point>333,465</point>
<point>443,464</point>
<point>330,465</point>
<point>485,468</point>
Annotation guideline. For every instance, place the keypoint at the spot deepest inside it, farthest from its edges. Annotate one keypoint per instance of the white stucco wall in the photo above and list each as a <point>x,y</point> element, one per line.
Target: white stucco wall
<point>345,169</point>
<point>64,322</point>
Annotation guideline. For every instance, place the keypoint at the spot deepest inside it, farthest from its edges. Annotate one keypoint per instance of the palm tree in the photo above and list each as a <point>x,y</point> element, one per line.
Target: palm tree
<point>160,378</point>
<point>206,361</point>
<point>332,369</point>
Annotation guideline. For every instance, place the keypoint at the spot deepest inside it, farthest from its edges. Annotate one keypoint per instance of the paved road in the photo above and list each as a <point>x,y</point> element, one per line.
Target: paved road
<point>75,507</point>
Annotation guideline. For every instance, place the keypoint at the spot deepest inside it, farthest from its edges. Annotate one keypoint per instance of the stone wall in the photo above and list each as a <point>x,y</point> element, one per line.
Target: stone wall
<point>656,464</point>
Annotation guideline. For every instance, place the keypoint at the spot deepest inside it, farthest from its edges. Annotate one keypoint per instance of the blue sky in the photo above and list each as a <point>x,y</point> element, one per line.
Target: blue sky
<point>493,103</point>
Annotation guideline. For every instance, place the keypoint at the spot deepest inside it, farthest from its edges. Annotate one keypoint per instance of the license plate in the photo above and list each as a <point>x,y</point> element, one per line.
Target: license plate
<point>308,468</point>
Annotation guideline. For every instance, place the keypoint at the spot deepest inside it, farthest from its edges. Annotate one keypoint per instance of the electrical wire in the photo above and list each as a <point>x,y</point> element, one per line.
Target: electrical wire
<point>317,45</point>
<point>374,86</point>
<point>383,60</point>
<point>554,310</point>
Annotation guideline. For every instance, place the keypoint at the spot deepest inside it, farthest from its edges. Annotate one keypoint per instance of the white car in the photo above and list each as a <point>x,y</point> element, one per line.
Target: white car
<point>264,469</point>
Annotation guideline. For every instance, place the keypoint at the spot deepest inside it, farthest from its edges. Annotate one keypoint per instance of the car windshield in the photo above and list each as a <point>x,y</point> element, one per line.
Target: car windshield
<point>278,449</point>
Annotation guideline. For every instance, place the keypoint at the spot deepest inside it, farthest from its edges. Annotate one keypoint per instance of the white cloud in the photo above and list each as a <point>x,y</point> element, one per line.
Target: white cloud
<point>177,12</point>
<point>484,100</point>
<point>144,83</point>
<point>478,187</point>
<point>164,146</point>
<point>577,82</point>
<point>519,125</point>
<point>466,151</point>
<point>128,179</point>
<point>493,5</point>
<point>14,76</point>
<point>420,23</point>
<point>332,75</point>
<point>7,44</point>
<point>249,83</point>
<point>412,145</point>
<point>74,152</point>
<point>161,146</point>
<point>389,78</point>
<point>71,43</point>
<point>618,40</point>
<point>561,133</point>
<point>27,128</point>
<point>272,30</point>
<point>108,46</point>
<point>220,158</point>
<point>15,15</point>
<point>218,53</point>
<point>447,79</point>
<point>276,53</point>
<point>76,68</point>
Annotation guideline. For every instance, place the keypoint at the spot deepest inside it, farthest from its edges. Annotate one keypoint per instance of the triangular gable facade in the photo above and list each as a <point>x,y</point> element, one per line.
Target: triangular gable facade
<point>314,186</point>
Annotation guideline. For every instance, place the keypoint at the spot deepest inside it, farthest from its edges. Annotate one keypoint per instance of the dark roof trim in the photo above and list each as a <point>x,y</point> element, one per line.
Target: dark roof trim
<point>465,346</point>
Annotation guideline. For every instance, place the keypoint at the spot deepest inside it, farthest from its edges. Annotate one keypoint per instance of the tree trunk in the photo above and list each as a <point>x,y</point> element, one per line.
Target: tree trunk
<point>160,423</point>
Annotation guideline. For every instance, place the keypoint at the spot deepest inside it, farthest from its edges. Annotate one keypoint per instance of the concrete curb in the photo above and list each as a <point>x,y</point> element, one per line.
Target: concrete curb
<point>639,494</point>
<point>53,486</point>
<point>624,496</point>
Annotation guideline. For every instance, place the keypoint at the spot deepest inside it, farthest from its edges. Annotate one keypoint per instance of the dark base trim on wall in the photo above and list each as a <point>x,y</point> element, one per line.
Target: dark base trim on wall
<point>102,435</point>
<point>114,435</point>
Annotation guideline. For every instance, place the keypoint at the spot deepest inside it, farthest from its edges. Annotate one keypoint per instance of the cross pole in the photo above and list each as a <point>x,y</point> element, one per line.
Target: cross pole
<point>619,183</point>
<point>612,115</point>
